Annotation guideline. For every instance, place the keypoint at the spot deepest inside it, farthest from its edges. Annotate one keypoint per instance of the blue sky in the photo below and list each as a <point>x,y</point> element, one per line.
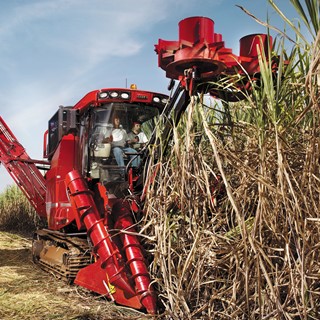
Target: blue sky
<point>52,52</point>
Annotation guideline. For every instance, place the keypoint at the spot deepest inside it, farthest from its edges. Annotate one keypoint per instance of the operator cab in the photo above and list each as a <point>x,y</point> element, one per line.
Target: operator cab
<point>88,130</point>
<point>103,138</point>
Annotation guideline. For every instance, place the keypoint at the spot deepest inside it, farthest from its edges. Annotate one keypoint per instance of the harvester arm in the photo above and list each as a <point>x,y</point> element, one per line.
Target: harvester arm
<point>22,169</point>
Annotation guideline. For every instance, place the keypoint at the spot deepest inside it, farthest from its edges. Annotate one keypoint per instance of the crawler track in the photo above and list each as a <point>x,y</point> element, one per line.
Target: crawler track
<point>62,255</point>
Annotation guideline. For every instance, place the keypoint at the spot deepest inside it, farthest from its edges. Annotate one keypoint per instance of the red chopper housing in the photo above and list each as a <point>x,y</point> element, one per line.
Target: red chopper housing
<point>200,46</point>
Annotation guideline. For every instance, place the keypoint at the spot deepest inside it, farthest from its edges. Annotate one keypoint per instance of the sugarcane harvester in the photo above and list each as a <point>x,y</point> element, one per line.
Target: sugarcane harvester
<point>89,201</point>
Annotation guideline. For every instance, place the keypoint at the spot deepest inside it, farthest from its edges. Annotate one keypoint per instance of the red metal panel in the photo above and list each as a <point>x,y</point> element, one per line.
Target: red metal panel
<point>87,100</point>
<point>196,29</point>
<point>65,159</point>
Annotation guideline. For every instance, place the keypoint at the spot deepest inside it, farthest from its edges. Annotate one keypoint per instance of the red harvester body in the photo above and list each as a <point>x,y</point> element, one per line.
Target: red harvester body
<point>89,201</point>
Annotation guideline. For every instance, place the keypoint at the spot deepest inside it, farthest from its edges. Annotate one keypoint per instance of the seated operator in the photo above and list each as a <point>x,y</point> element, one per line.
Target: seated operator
<point>119,144</point>
<point>137,138</point>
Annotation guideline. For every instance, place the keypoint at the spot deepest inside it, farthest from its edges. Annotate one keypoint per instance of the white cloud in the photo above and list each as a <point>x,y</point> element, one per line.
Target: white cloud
<point>44,39</point>
<point>90,30</point>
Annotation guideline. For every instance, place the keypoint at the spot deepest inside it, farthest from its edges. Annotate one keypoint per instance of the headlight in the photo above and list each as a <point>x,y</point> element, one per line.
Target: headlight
<point>103,95</point>
<point>156,99</point>
<point>114,94</point>
<point>164,100</point>
<point>125,95</point>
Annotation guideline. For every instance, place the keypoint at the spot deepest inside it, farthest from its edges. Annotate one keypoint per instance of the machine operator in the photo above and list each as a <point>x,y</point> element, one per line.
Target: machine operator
<point>137,138</point>
<point>120,141</point>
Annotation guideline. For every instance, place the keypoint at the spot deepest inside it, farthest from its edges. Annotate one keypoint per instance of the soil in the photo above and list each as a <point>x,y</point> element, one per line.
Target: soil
<point>27,292</point>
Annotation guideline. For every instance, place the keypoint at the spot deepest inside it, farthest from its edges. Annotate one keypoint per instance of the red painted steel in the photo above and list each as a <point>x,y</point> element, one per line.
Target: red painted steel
<point>135,259</point>
<point>200,46</point>
<point>22,169</point>
<point>109,256</point>
<point>94,278</point>
<point>83,203</point>
<point>92,99</point>
<point>64,160</point>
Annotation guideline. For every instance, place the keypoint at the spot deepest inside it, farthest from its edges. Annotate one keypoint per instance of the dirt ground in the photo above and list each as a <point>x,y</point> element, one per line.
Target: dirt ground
<point>27,292</point>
